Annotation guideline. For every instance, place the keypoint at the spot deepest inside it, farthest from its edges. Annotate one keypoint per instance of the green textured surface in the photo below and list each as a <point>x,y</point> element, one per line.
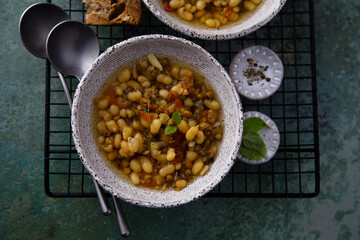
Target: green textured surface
<point>27,213</point>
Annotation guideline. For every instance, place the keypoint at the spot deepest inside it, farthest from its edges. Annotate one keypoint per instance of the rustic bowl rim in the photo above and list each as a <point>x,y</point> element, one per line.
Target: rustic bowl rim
<point>210,34</point>
<point>74,119</point>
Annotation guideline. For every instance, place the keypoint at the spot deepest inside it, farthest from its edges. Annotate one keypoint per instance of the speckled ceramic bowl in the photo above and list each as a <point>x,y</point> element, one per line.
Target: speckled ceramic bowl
<point>112,60</point>
<point>247,22</point>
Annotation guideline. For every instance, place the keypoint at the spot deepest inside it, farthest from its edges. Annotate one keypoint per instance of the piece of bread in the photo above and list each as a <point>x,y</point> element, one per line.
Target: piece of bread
<point>112,12</point>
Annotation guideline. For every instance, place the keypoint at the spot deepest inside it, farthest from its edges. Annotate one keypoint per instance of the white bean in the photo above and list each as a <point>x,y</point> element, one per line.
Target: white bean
<point>101,126</point>
<point>200,137</point>
<point>114,109</point>
<point>192,122</point>
<point>107,116</point>
<point>197,167</point>
<point>204,170</point>
<point>134,178</point>
<point>180,183</point>
<point>112,126</point>
<point>256,2</point>
<point>146,164</point>
<point>188,102</point>
<point>191,155</point>
<point>112,155</point>
<point>164,79</point>
<point>121,124</point>
<point>117,140</point>
<point>135,85</point>
<point>135,165</point>
<point>168,169</point>
<point>123,113</point>
<point>234,3</point>
<point>124,75</point>
<point>170,155</point>
<point>163,93</point>
<point>184,14</point>
<point>191,133</point>
<point>155,126</point>
<point>174,4</point>
<point>101,139</point>
<point>248,5</point>
<point>183,127</point>
<point>127,132</point>
<point>134,96</point>
<point>212,104</point>
<point>200,5</point>
<point>103,103</point>
<point>133,144</point>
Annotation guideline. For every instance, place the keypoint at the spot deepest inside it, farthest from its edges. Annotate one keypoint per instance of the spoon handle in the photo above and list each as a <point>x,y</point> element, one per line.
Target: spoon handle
<point>66,90</point>
<point>106,210</point>
<point>123,226</point>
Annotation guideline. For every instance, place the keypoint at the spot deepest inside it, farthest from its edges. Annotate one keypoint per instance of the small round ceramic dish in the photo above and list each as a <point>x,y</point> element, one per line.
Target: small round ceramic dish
<point>112,61</point>
<point>257,72</point>
<point>247,23</point>
<point>271,137</point>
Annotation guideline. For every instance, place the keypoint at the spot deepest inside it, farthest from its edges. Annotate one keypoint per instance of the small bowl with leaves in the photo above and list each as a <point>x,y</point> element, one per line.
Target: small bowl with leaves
<point>260,140</point>
<point>157,121</point>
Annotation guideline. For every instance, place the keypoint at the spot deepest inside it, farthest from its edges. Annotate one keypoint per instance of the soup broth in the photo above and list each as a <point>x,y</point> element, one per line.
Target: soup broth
<point>158,122</point>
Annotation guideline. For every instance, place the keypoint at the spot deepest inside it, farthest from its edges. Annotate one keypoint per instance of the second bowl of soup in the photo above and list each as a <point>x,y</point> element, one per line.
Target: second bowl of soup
<point>215,19</point>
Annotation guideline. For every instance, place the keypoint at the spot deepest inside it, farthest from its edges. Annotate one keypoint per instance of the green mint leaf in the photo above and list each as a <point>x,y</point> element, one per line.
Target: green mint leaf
<point>254,124</point>
<point>176,117</point>
<point>253,146</point>
<point>170,129</point>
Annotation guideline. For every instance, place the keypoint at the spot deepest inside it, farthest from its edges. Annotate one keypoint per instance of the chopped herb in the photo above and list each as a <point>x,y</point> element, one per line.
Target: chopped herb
<point>170,129</point>
<point>163,119</point>
<point>176,117</point>
<point>147,143</point>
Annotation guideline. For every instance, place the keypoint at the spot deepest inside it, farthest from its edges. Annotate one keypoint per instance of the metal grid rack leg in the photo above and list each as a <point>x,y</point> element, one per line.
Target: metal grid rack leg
<point>293,172</point>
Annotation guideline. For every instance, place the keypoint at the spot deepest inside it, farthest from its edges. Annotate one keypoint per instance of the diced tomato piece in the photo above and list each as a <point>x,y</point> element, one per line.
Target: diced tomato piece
<point>179,155</point>
<point>172,95</point>
<point>109,91</point>
<point>167,6</point>
<point>178,139</point>
<point>168,73</point>
<point>204,113</point>
<point>192,91</point>
<point>162,109</point>
<point>143,115</point>
<point>113,100</point>
<point>146,116</point>
<point>178,102</point>
<point>148,184</point>
<point>228,13</point>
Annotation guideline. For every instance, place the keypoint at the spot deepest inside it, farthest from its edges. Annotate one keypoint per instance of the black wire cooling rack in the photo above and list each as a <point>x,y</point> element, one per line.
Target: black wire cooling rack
<point>294,170</point>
